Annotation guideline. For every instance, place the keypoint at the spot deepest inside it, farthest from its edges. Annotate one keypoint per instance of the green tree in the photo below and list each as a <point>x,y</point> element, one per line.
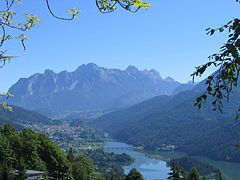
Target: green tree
<point>113,176</point>
<point>220,84</point>
<point>204,178</point>
<point>29,148</point>
<point>219,176</point>
<point>134,174</point>
<point>194,174</point>
<point>70,155</point>
<point>175,173</point>
<point>53,157</point>
<point>7,159</point>
<point>21,167</point>
<point>3,105</point>
<point>83,169</point>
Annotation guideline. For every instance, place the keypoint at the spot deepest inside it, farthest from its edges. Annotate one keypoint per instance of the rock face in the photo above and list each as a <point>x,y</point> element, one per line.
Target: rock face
<point>89,87</point>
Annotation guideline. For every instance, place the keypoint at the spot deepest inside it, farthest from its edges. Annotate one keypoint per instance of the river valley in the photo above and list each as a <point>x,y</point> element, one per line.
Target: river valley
<point>156,169</point>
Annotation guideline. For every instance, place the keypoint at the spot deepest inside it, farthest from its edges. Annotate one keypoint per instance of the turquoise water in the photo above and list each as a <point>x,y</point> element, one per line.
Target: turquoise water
<point>153,169</point>
<point>149,168</point>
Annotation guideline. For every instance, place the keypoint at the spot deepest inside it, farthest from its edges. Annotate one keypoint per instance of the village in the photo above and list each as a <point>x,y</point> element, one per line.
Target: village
<point>82,137</point>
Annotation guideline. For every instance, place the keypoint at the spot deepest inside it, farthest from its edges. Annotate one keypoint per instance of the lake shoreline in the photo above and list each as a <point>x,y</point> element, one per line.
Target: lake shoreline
<point>229,169</point>
<point>148,167</point>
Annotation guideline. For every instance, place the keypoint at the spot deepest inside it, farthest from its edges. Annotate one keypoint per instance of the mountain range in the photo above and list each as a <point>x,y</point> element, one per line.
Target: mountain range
<point>89,88</point>
<point>150,112</point>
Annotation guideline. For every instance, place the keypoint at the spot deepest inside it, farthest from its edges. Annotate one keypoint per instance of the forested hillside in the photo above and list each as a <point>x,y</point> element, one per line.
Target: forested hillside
<point>173,122</point>
<point>20,116</point>
<point>29,150</point>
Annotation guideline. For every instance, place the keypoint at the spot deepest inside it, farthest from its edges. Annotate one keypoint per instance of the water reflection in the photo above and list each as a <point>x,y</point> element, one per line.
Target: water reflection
<point>154,169</point>
<point>149,168</point>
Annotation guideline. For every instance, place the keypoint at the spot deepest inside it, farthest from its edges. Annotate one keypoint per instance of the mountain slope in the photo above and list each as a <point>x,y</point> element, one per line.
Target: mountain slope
<point>89,88</point>
<point>172,120</point>
<point>183,87</point>
<point>21,116</point>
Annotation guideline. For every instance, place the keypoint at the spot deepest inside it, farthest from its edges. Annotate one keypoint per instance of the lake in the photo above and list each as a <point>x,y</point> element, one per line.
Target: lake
<point>149,168</point>
<point>156,169</point>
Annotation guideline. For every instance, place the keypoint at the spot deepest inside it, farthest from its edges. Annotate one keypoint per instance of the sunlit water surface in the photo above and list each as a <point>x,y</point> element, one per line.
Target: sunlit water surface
<point>155,169</point>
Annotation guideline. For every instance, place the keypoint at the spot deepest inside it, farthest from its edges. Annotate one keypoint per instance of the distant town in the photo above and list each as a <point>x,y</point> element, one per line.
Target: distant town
<point>82,137</point>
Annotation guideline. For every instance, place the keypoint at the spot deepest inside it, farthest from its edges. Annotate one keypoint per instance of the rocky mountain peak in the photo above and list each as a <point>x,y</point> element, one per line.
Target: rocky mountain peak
<point>49,72</point>
<point>169,79</point>
<point>132,69</point>
<point>89,87</point>
<point>153,74</point>
<point>89,66</point>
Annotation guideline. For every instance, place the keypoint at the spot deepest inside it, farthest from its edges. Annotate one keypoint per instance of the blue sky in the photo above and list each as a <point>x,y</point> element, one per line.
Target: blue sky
<point>169,37</point>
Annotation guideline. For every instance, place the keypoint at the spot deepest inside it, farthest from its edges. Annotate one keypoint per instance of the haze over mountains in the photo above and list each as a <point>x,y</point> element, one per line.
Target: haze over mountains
<point>173,120</point>
<point>89,87</point>
<point>155,112</point>
<point>20,117</point>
